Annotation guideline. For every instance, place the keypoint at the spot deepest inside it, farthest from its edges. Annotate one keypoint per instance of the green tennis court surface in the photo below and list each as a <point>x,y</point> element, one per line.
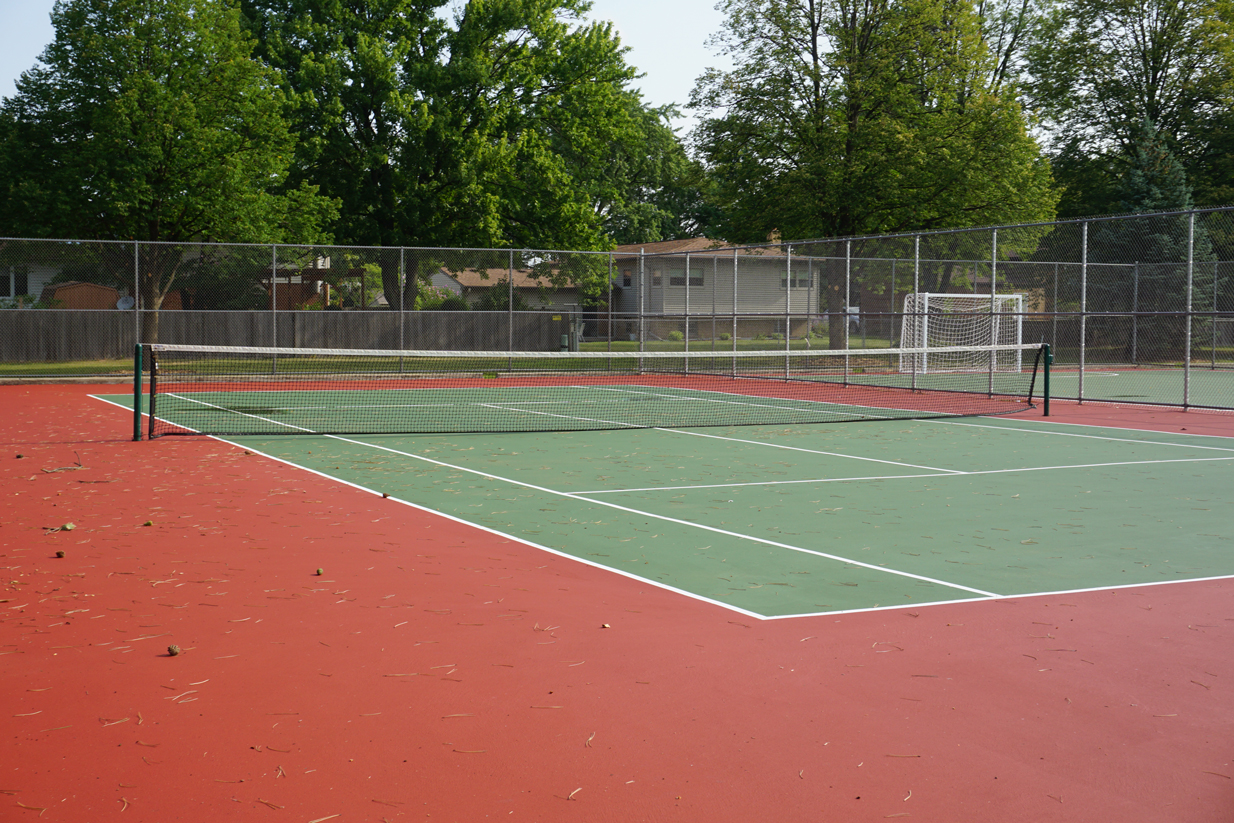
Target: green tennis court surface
<point>789,520</point>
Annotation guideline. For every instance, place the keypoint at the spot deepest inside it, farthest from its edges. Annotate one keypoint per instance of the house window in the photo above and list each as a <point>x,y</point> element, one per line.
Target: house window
<point>696,279</point>
<point>627,278</point>
<point>6,283</point>
<point>800,281</point>
<point>657,277</point>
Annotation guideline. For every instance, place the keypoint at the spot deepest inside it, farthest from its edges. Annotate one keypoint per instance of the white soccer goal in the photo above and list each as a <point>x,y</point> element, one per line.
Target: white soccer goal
<point>948,320</point>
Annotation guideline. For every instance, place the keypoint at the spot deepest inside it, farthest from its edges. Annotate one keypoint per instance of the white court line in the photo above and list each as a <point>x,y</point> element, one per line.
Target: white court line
<point>810,451</point>
<point>1086,436</point>
<point>652,515</point>
<point>908,476</point>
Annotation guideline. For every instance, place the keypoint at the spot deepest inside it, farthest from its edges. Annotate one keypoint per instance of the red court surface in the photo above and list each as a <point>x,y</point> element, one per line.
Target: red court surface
<point>437,672</point>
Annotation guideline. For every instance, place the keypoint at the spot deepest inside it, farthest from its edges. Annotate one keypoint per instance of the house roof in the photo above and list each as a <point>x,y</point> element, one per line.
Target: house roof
<point>689,244</point>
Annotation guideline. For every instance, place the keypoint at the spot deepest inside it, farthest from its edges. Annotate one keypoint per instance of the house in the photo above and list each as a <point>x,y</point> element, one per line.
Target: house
<point>650,279</point>
<point>537,292</point>
<point>18,281</point>
<point>78,295</point>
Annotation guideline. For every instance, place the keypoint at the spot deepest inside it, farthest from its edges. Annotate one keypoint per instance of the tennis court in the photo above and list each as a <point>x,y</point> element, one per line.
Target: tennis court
<point>939,619</point>
<point>787,519</point>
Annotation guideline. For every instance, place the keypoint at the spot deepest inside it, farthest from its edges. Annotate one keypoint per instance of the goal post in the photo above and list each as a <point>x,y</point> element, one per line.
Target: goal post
<point>933,320</point>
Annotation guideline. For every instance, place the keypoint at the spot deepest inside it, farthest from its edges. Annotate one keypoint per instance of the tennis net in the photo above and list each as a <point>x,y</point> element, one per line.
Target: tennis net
<point>237,391</point>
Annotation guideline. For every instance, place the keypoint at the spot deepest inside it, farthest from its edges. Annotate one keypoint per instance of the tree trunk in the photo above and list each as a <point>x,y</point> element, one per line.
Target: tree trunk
<point>837,315</point>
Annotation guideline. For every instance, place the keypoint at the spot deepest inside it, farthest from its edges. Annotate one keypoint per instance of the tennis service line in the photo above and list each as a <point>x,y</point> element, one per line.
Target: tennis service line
<point>572,496</point>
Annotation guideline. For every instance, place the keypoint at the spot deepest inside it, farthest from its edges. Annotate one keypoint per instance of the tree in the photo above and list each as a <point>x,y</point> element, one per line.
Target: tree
<point>844,117</point>
<point>149,120</point>
<point>1153,181</point>
<point>1100,68</point>
<point>507,123</point>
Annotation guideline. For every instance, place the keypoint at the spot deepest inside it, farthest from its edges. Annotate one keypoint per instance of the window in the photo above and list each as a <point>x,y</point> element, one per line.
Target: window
<point>5,283</point>
<point>696,279</point>
<point>627,278</point>
<point>657,277</point>
<point>800,281</point>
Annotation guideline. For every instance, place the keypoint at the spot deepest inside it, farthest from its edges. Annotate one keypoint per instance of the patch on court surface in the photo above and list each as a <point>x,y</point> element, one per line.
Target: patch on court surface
<point>779,521</point>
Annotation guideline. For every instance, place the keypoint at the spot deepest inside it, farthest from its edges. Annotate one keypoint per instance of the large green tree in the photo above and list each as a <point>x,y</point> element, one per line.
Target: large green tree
<point>149,120</point>
<point>1099,69</point>
<point>846,117</point>
<point>502,123</point>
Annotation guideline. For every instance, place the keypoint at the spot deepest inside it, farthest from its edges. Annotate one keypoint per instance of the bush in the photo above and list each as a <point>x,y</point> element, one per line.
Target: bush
<point>725,336</point>
<point>676,336</point>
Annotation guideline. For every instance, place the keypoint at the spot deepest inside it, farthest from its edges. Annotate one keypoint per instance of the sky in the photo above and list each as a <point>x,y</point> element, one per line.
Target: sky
<point>667,41</point>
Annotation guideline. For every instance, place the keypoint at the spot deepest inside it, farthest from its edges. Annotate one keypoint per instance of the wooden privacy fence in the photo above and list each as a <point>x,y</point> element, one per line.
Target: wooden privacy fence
<point>51,336</point>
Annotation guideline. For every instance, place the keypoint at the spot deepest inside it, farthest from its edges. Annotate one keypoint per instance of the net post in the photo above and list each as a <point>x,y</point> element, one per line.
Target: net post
<point>154,371</point>
<point>1047,359</point>
<point>137,392</point>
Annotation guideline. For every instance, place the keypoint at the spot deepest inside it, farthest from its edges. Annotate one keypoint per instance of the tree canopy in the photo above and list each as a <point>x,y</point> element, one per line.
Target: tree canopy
<point>845,118</point>
<point>502,123</point>
<point>149,120</point>
<point>1098,69</point>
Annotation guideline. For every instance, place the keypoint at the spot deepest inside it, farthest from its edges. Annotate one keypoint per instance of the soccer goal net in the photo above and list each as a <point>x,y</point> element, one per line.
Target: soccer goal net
<point>970,320</point>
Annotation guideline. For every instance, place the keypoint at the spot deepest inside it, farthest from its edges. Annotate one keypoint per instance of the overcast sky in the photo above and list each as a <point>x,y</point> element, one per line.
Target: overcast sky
<point>666,39</point>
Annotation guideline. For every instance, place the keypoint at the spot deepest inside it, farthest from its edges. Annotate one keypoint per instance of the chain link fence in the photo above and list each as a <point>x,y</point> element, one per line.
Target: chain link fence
<point>1138,308</point>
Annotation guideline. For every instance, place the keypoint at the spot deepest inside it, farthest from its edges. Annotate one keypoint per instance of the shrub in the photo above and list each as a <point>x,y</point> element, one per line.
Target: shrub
<point>676,336</point>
